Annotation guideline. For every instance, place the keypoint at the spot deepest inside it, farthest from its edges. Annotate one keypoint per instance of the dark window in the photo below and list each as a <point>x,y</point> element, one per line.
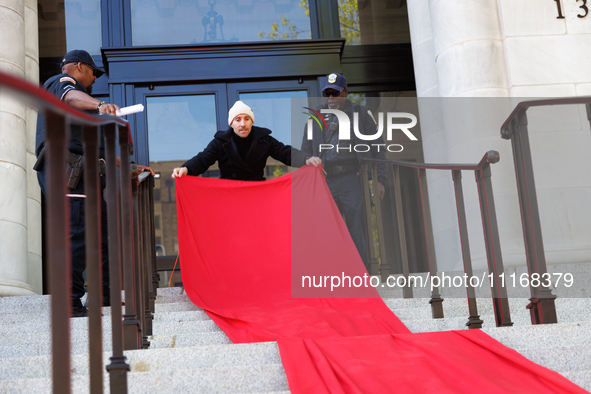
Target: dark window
<point>164,22</point>
<point>375,22</point>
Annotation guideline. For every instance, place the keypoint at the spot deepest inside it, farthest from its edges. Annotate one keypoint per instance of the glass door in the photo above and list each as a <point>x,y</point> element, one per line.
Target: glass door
<point>180,120</point>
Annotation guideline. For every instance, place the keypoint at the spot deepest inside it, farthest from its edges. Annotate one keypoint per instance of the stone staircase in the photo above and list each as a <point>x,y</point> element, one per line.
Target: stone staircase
<point>190,354</point>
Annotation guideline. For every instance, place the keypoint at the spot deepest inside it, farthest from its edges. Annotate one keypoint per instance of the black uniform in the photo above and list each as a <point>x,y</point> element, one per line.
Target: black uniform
<point>59,85</point>
<point>342,168</point>
<point>241,158</point>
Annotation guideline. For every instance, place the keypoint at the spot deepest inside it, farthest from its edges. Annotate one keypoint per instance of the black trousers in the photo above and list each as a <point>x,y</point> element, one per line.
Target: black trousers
<point>78,240</point>
<point>347,191</point>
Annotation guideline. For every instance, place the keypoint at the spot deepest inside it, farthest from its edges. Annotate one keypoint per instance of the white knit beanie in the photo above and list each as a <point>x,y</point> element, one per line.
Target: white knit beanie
<point>239,108</point>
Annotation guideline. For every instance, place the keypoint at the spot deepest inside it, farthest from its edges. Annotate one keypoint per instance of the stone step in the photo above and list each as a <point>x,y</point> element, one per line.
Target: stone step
<point>418,319</point>
<point>581,378</point>
<point>253,379</point>
<point>28,347</point>
<point>566,309</point>
<point>153,360</point>
<point>561,359</point>
<point>192,358</point>
<point>542,335</point>
<point>229,358</point>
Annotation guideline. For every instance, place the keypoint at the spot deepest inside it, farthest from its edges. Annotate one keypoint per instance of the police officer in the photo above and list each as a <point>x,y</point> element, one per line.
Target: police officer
<point>73,86</point>
<point>342,164</point>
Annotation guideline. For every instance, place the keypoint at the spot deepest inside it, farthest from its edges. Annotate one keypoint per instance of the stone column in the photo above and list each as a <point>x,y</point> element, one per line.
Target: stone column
<point>458,52</point>
<point>34,276</point>
<point>13,157</point>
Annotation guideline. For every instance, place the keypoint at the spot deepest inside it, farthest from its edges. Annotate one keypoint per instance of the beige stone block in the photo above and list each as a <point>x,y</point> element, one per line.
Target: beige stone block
<point>565,217</point>
<point>16,6</point>
<point>12,104</point>
<point>13,251</point>
<point>574,24</point>
<point>13,195</point>
<point>31,121</point>
<point>543,91</point>
<point>560,160</point>
<point>15,288</point>
<point>425,70</point>
<point>32,70</point>
<point>457,22</point>
<point>32,4</point>
<point>583,89</point>
<point>31,31</point>
<point>549,59</point>
<point>419,19</point>
<point>12,139</point>
<point>486,92</point>
<point>474,65</point>
<point>35,273</point>
<point>33,190</point>
<point>12,68</point>
<point>12,31</point>
<point>34,226</point>
<point>510,228</point>
<point>524,18</point>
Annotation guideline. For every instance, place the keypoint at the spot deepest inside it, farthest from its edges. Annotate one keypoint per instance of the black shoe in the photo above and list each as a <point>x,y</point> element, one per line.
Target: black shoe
<point>79,311</point>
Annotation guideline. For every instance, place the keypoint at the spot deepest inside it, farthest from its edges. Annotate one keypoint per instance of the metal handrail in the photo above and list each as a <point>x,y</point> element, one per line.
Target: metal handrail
<point>489,222</point>
<point>122,243</point>
<point>542,305</point>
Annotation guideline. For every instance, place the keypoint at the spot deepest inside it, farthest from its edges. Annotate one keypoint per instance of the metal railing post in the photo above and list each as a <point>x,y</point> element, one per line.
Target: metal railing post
<point>151,257</point>
<point>94,272</point>
<point>118,367</point>
<point>139,239</point>
<point>142,268</point>
<point>436,301</point>
<point>407,291</point>
<point>493,244</point>
<point>60,260</point>
<point>474,320</point>
<point>384,267</point>
<point>131,324</point>
<point>371,248</point>
<point>542,307</point>
<point>146,278</point>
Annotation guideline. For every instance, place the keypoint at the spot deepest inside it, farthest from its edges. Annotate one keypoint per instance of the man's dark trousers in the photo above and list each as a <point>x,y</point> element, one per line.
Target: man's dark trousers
<point>347,191</point>
<point>78,240</point>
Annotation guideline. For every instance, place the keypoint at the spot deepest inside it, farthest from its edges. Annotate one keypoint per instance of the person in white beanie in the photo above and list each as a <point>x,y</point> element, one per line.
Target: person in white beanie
<point>242,150</point>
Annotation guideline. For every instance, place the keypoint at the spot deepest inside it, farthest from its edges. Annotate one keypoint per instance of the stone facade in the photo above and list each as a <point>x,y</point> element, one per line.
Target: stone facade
<point>508,48</point>
<point>20,202</point>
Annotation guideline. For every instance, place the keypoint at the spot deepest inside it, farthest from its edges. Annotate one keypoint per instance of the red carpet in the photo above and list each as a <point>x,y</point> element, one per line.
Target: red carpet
<point>245,247</point>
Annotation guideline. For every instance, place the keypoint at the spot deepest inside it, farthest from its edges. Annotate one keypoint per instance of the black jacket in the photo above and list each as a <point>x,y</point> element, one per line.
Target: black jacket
<point>366,125</point>
<point>223,149</point>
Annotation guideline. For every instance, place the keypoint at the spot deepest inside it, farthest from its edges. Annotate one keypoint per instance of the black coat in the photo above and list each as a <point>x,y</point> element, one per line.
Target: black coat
<point>223,149</point>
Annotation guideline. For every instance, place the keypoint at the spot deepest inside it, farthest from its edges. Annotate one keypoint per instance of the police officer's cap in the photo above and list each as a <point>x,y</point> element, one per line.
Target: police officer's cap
<point>79,55</point>
<point>335,81</point>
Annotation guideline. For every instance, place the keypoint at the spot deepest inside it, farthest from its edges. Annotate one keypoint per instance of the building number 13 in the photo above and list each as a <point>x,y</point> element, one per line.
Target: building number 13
<point>583,8</point>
